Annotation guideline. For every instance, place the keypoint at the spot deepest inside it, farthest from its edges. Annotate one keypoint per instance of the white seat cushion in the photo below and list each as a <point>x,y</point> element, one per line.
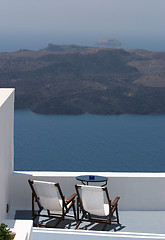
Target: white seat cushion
<point>47,192</point>
<point>93,200</point>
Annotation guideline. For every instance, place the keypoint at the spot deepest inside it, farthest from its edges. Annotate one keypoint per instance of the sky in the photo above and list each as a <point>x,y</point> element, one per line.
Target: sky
<point>35,23</point>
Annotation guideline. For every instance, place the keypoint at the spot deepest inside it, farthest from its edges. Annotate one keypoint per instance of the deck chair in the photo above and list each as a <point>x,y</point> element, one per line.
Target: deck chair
<point>48,196</point>
<point>91,201</point>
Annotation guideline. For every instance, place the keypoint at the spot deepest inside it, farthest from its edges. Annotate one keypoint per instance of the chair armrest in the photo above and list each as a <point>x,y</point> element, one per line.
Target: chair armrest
<point>70,198</point>
<point>115,201</point>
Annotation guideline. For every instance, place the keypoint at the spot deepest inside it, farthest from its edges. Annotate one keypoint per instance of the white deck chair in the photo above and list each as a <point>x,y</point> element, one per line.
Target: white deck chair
<point>91,202</point>
<point>48,195</point>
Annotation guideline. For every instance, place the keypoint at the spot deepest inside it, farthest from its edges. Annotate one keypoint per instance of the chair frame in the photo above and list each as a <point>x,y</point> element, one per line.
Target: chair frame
<point>113,207</point>
<point>65,207</point>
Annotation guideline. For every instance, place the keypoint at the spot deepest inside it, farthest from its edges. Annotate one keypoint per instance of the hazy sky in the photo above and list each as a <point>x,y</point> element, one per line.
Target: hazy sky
<point>79,21</point>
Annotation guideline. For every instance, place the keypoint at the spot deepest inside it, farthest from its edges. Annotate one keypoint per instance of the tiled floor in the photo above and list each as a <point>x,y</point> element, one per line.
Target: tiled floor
<point>130,221</point>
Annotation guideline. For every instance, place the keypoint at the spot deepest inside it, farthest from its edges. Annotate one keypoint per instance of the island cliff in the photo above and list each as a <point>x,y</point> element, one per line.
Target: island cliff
<point>76,80</point>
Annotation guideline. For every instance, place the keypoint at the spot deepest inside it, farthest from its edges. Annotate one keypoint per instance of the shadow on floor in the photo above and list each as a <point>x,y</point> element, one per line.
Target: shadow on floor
<point>67,223</point>
<point>23,214</point>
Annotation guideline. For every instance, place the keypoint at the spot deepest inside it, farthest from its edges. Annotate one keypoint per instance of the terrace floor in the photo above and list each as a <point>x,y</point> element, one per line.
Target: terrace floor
<point>133,225</point>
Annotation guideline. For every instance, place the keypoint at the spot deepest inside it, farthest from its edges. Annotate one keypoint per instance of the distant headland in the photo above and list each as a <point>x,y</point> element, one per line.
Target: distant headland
<point>109,43</point>
<point>71,79</point>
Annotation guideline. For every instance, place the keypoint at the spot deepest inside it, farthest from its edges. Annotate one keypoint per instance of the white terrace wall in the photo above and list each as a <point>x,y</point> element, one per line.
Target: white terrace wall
<point>6,147</point>
<point>138,191</point>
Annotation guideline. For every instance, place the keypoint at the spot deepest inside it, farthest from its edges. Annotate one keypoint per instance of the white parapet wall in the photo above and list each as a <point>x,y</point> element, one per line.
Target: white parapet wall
<point>6,148</point>
<point>138,191</point>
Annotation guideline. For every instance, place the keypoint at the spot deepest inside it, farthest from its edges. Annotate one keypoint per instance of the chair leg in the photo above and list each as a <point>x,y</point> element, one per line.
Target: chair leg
<point>79,221</point>
<point>117,215</point>
<point>33,211</point>
<point>78,224</point>
<point>77,210</point>
<point>74,211</point>
<point>37,214</point>
<point>109,220</point>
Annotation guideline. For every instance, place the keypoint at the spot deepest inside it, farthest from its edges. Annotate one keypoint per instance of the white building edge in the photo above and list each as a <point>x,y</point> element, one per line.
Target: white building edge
<point>140,193</point>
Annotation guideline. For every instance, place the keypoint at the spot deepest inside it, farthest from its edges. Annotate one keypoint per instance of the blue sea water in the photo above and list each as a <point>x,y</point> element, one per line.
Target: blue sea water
<point>36,41</point>
<point>125,143</point>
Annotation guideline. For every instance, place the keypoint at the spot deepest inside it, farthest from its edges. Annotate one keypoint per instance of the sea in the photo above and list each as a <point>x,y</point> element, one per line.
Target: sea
<point>100,143</point>
<point>106,143</point>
